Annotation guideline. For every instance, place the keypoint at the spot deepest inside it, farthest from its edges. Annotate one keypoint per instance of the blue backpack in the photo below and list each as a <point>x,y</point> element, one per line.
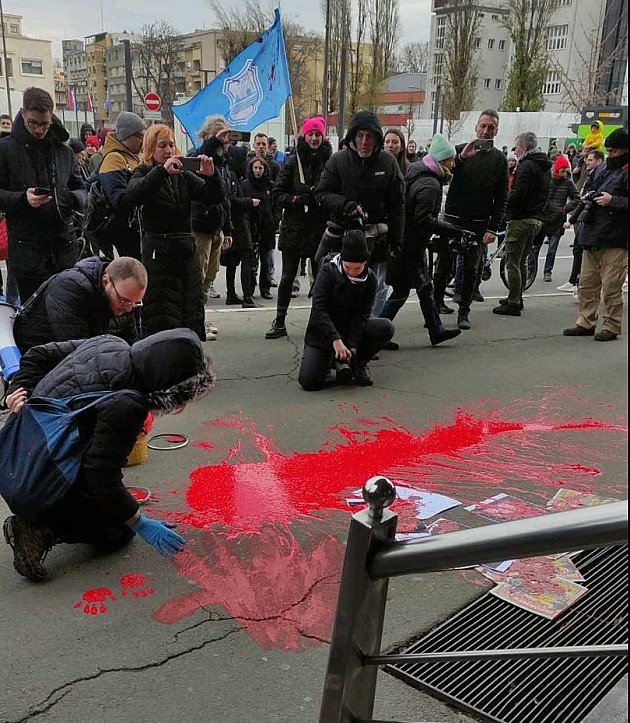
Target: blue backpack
<point>41,451</point>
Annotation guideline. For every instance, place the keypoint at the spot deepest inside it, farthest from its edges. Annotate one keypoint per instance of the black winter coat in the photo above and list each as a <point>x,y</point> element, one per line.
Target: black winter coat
<point>72,305</point>
<point>211,218</point>
<point>241,209</point>
<point>301,230</point>
<point>159,373</point>
<point>528,196</point>
<point>424,181</point>
<point>607,226</point>
<point>264,217</point>
<point>479,189</point>
<point>561,198</point>
<point>340,308</point>
<point>375,183</point>
<point>42,240</point>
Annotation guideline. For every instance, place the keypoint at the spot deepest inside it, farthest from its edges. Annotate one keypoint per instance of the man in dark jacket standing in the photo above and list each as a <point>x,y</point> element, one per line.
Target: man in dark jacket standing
<point>604,238</point>
<point>82,302</point>
<point>365,179</point>
<point>40,186</point>
<point>525,212</point>
<point>161,373</point>
<point>476,202</point>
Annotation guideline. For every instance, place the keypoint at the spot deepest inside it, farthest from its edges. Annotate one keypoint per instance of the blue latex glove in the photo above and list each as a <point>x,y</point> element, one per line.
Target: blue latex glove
<point>159,535</point>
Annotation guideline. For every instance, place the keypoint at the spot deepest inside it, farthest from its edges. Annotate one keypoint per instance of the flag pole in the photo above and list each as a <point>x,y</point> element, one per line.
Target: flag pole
<point>295,135</point>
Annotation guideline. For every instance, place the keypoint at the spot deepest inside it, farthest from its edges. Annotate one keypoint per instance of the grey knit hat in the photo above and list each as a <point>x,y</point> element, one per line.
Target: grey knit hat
<point>128,124</point>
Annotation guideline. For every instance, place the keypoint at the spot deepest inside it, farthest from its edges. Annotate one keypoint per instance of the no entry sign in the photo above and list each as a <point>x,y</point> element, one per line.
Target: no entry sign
<point>152,101</point>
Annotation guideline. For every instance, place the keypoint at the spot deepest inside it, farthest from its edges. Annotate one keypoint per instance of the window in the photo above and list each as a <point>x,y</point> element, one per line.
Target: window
<point>490,43</point>
<point>9,67</point>
<point>440,33</point>
<point>495,17</point>
<point>498,83</point>
<point>552,84</point>
<point>557,37</point>
<point>560,3</point>
<point>486,83</point>
<point>32,67</point>
<point>15,29</point>
<point>501,44</point>
<point>477,42</point>
<point>438,68</point>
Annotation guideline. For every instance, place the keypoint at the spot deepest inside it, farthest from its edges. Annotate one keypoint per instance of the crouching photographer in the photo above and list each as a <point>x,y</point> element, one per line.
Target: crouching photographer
<point>340,331</point>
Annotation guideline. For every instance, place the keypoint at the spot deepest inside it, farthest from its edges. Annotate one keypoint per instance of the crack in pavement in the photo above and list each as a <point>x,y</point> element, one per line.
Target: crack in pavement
<point>45,705</point>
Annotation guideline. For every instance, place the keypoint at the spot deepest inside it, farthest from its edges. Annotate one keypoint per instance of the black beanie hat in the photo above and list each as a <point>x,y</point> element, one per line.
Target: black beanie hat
<point>353,247</point>
<point>617,139</point>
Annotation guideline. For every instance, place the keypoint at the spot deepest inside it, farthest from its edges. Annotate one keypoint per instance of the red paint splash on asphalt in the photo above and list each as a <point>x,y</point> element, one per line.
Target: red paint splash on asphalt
<point>93,601</point>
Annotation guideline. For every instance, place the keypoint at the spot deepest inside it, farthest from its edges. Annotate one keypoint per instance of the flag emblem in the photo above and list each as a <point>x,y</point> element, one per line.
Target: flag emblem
<point>245,94</point>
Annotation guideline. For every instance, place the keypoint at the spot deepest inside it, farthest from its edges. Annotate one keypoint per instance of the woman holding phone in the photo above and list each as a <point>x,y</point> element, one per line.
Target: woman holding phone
<point>164,186</point>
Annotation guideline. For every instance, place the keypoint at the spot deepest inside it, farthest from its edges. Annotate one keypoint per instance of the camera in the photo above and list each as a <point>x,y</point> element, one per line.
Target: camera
<point>463,242</point>
<point>583,212</point>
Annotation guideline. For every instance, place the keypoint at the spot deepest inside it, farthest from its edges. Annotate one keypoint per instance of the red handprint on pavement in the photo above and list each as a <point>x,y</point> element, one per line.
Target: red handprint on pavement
<point>93,601</point>
<point>135,585</point>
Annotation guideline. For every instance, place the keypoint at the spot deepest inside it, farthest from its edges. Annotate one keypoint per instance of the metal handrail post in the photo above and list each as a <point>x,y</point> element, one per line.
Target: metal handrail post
<point>350,686</point>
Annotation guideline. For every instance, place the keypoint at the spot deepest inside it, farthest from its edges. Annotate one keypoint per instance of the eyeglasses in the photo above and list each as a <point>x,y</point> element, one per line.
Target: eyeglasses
<point>36,124</point>
<point>121,299</point>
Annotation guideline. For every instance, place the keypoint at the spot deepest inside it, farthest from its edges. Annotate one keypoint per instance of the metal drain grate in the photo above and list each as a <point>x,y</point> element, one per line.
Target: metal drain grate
<point>533,690</point>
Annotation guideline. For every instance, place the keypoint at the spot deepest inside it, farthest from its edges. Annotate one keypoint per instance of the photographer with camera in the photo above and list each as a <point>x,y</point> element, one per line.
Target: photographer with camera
<point>476,202</point>
<point>363,179</point>
<point>603,236</point>
<point>525,211</point>
<point>425,180</point>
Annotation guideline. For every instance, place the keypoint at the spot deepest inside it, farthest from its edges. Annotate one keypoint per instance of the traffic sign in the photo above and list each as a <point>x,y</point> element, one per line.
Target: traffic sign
<point>152,101</point>
<point>153,115</point>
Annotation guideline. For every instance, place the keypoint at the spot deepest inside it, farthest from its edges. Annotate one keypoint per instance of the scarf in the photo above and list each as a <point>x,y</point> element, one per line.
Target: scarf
<point>336,260</point>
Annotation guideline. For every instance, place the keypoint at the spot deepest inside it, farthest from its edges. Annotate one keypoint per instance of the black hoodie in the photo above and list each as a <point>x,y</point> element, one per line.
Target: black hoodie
<point>528,197</point>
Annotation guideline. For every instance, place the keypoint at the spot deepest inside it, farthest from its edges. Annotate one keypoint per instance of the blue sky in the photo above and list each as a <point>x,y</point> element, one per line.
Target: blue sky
<point>58,19</point>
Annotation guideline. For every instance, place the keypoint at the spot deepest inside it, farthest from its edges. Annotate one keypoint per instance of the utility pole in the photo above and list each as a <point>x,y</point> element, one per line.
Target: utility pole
<point>6,62</point>
<point>128,72</point>
<point>436,108</point>
<point>326,100</point>
<point>341,118</point>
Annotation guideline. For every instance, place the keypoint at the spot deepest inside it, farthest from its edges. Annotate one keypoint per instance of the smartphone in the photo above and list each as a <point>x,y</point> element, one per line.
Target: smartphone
<point>244,136</point>
<point>190,163</point>
<point>484,144</point>
<point>41,191</point>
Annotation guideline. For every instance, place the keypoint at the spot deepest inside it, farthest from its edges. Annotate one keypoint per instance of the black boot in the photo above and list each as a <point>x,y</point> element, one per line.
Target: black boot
<point>462,322</point>
<point>362,376</point>
<point>249,303</point>
<point>232,299</point>
<point>277,330</point>
<point>444,335</point>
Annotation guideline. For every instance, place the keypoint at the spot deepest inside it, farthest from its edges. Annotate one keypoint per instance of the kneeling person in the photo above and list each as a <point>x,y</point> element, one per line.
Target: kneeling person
<point>339,327</point>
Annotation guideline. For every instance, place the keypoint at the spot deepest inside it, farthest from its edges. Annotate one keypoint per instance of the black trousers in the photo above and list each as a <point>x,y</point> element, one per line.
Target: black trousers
<point>316,362</point>
<point>245,258</point>
<point>291,260</point>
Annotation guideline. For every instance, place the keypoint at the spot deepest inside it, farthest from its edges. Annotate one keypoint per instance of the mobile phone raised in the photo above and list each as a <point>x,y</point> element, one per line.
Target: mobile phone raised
<point>483,144</point>
<point>41,191</point>
<point>190,163</point>
<point>244,136</point>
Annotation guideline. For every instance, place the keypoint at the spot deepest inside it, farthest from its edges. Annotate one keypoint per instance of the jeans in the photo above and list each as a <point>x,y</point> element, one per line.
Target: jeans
<point>459,270</point>
<point>380,269</point>
<point>519,238</point>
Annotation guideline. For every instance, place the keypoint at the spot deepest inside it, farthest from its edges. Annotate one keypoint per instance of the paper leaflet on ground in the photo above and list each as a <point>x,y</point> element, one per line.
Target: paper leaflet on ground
<point>547,600</point>
<point>505,508</point>
<point>427,504</point>
<point>566,499</point>
<point>538,570</point>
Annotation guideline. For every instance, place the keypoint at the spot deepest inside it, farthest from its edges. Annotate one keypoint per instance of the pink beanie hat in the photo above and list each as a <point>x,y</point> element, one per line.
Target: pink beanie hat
<point>313,124</point>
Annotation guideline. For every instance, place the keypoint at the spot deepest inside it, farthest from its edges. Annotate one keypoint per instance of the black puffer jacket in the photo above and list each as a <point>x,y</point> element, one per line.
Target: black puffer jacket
<point>72,305</point>
<point>158,374</point>
<point>340,307</point>
<point>562,197</point>
<point>528,196</point>
<point>301,230</point>
<point>264,217</point>
<point>211,218</point>
<point>425,180</point>
<point>607,226</point>
<point>375,183</point>
<point>41,240</point>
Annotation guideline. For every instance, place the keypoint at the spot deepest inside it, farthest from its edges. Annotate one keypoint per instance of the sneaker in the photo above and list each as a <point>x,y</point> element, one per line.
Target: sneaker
<point>547,276</point>
<point>605,335</point>
<point>249,303</point>
<point>463,323</point>
<point>576,296</point>
<point>579,331</point>
<point>30,545</point>
<point>294,293</point>
<point>211,337</point>
<point>212,293</point>
<point>266,295</point>
<point>211,328</point>
<point>478,297</point>
<point>444,335</point>
<point>449,292</point>
<point>507,310</point>
<point>343,373</point>
<point>278,329</point>
<point>567,286</point>
<point>444,309</point>
<point>233,299</point>
<point>362,376</point>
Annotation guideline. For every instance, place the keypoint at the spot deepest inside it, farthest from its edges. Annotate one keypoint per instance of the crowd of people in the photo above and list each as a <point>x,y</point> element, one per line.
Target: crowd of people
<point>115,243</point>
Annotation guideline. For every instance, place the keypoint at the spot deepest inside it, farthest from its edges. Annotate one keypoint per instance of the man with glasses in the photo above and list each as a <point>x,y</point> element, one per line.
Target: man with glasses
<point>40,187</point>
<point>121,156</point>
<point>93,297</point>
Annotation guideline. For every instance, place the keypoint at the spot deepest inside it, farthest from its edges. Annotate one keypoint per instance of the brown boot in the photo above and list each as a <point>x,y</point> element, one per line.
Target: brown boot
<point>30,545</point>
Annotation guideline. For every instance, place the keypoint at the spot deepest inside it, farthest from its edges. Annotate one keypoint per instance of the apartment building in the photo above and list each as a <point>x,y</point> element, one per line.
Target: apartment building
<point>61,88</point>
<point>29,63</point>
<point>76,71</point>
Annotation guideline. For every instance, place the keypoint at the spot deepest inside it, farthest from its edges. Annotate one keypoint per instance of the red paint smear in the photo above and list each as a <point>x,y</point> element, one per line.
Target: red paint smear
<point>136,585</point>
<point>204,445</point>
<point>461,459</point>
<point>282,592</point>
<point>93,601</point>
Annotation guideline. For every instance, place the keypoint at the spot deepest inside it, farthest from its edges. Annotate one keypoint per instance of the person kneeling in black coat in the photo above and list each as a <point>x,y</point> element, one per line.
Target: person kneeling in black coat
<point>159,374</point>
<point>339,327</point>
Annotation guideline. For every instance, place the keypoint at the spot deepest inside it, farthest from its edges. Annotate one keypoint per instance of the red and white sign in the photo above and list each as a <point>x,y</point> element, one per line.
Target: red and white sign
<point>152,101</point>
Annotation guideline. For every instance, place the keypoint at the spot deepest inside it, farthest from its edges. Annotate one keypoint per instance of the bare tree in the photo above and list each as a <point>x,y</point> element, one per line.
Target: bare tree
<point>159,64</point>
<point>413,58</point>
<point>357,59</point>
<point>597,49</point>
<point>384,25</point>
<point>527,24</point>
<point>340,30</point>
<point>458,61</point>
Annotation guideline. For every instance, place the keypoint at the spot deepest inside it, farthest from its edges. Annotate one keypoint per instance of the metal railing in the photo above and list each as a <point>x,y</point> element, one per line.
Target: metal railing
<point>372,557</point>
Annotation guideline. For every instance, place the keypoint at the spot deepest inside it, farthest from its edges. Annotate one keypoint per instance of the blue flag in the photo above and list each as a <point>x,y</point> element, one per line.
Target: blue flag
<point>251,90</point>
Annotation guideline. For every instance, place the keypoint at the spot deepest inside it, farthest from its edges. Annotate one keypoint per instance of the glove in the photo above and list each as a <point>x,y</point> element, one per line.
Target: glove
<point>302,188</point>
<point>394,250</point>
<point>159,535</point>
<point>350,208</point>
